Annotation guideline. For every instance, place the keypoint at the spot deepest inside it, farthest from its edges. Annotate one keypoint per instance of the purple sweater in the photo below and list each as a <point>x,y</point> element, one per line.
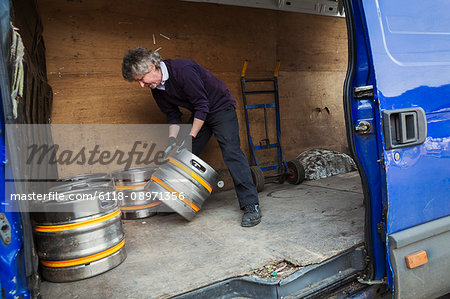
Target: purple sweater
<point>192,87</point>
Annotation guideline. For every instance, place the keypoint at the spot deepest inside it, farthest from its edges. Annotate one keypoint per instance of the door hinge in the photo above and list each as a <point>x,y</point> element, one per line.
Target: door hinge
<point>363,92</point>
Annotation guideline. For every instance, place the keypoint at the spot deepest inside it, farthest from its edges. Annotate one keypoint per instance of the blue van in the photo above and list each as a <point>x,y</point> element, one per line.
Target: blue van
<point>396,98</point>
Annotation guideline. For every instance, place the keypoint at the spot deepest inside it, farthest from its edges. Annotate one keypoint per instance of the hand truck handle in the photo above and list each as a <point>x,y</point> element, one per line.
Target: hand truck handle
<point>244,68</point>
<point>277,68</point>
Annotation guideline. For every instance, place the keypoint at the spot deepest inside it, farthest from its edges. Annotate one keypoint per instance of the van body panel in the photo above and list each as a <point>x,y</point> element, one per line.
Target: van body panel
<point>431,279</point>
<point>417,176</point>
<point>13,277</point>
<point>410,49</point>
<point>365,147</point>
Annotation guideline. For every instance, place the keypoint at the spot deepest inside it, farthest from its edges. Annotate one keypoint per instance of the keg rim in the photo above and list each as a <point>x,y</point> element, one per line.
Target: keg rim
<point>82,185</point>
<point>85,176</point>
<point>130,174</point>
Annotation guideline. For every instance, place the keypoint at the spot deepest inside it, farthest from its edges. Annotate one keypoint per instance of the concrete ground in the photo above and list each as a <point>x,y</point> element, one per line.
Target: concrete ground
<point>303,224</point>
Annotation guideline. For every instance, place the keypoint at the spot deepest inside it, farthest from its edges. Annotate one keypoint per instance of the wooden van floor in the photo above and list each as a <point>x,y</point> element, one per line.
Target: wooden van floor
<point>303,224</point>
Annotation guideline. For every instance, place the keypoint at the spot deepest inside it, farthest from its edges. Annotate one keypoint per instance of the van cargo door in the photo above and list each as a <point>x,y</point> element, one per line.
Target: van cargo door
<point>410,50</point>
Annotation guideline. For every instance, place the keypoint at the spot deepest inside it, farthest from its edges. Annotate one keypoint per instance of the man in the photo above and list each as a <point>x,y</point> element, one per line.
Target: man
<point>184,83</point>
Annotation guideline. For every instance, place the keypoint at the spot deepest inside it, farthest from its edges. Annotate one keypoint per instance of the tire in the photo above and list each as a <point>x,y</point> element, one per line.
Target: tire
<point>296,172</point>
<point>258,177</point>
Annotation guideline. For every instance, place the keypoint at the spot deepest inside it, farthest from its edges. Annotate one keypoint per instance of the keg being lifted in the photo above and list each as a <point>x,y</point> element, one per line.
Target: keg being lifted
<point>79,234</point>
<point>183,183</point>
<point>134,201</point>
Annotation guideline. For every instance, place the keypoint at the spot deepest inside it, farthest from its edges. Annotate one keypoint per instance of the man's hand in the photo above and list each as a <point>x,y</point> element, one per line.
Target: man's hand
<point>186,142</point>
<point>171,143</point>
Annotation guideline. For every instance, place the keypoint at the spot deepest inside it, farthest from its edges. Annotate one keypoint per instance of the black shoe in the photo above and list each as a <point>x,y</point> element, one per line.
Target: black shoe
<point>252,216</point>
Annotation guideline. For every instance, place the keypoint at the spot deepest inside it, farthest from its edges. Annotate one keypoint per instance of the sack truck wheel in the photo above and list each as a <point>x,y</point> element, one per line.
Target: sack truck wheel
<point>258,177</point>
<point>296,172</point>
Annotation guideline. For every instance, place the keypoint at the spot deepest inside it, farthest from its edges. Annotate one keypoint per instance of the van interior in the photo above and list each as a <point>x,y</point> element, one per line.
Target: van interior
<point>73,57</point>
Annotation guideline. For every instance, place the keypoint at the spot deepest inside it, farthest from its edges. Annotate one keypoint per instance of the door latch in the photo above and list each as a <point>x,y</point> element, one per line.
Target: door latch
<point>363,127</point>
<point>363,92</point>
<point>404,127</point>
<point>5,229</point>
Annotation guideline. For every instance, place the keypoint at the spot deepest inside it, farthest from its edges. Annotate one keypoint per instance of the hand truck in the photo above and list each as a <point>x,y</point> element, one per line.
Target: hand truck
<point>291,171</point>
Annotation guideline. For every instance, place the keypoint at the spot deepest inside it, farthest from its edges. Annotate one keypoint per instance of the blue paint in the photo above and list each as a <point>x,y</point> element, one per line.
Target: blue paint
<point>366,147</point>
<point>12,275</point>
<point>13,279</point>
<point>410,49</point>
<point>368,294</point>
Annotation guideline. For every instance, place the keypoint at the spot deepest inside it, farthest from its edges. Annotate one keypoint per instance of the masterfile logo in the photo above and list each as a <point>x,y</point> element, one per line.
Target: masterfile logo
<point>140,153</point>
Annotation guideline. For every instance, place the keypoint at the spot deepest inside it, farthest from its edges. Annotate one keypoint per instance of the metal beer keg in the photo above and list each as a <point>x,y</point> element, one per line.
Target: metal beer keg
<point>100,176</point>
<point>78,233</point>
<point>183,183</point>
<point>81,185</point>
<point>65,182</point>
<point>134,201</point>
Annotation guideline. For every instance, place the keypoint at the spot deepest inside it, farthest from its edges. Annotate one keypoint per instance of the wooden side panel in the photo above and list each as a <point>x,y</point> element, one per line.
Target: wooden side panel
<point>86,41</point>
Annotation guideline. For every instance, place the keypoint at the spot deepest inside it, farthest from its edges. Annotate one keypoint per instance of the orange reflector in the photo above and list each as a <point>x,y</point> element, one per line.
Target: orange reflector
<point>416,259</point>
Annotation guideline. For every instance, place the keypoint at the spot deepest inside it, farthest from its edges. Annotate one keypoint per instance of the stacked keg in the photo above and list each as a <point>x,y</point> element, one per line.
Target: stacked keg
<point>78,231</point>
<point>134,201</point>
<point>183,183</point>
<point>90,177</point>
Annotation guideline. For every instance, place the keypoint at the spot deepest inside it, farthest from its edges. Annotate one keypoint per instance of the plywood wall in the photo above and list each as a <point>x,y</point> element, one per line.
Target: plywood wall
<point>86,41</point>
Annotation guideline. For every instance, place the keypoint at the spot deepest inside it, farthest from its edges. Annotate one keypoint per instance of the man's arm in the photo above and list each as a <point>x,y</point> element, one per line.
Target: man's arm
<point>195,91</point>
<point>196,126</point>
<point>172,111</point>
<point>173,130</point>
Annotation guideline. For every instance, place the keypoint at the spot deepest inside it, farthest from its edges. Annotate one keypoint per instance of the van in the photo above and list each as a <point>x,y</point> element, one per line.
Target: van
<point>366,78</point>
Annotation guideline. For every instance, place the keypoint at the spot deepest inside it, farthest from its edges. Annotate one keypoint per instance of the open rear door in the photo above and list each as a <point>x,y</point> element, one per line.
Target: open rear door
<point>409,46</point>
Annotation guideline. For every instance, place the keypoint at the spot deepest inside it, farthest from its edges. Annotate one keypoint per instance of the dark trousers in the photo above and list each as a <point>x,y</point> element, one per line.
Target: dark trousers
<point>224,125</point>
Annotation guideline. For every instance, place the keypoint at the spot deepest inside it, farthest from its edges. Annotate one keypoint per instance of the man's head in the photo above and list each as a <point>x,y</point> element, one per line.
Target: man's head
<point>143,66</point>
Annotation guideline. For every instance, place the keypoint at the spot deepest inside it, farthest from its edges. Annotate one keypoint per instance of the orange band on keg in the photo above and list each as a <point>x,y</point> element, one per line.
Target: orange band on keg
<point>133,208</point>
<point>61,227</point>
<point>120,188</point>
<point>168,188</point>
<point>84,260</point>
<point>191,173</point>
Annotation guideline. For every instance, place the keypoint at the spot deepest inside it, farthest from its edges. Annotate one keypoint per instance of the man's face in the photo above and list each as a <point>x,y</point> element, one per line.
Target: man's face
<point>151,79</point>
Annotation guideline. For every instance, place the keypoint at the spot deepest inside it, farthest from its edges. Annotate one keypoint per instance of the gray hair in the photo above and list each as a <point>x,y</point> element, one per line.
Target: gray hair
<point>137,61</point>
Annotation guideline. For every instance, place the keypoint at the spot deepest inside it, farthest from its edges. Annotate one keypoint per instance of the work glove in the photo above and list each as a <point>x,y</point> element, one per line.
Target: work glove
<point>171,143</point>
<point>185,142</point>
